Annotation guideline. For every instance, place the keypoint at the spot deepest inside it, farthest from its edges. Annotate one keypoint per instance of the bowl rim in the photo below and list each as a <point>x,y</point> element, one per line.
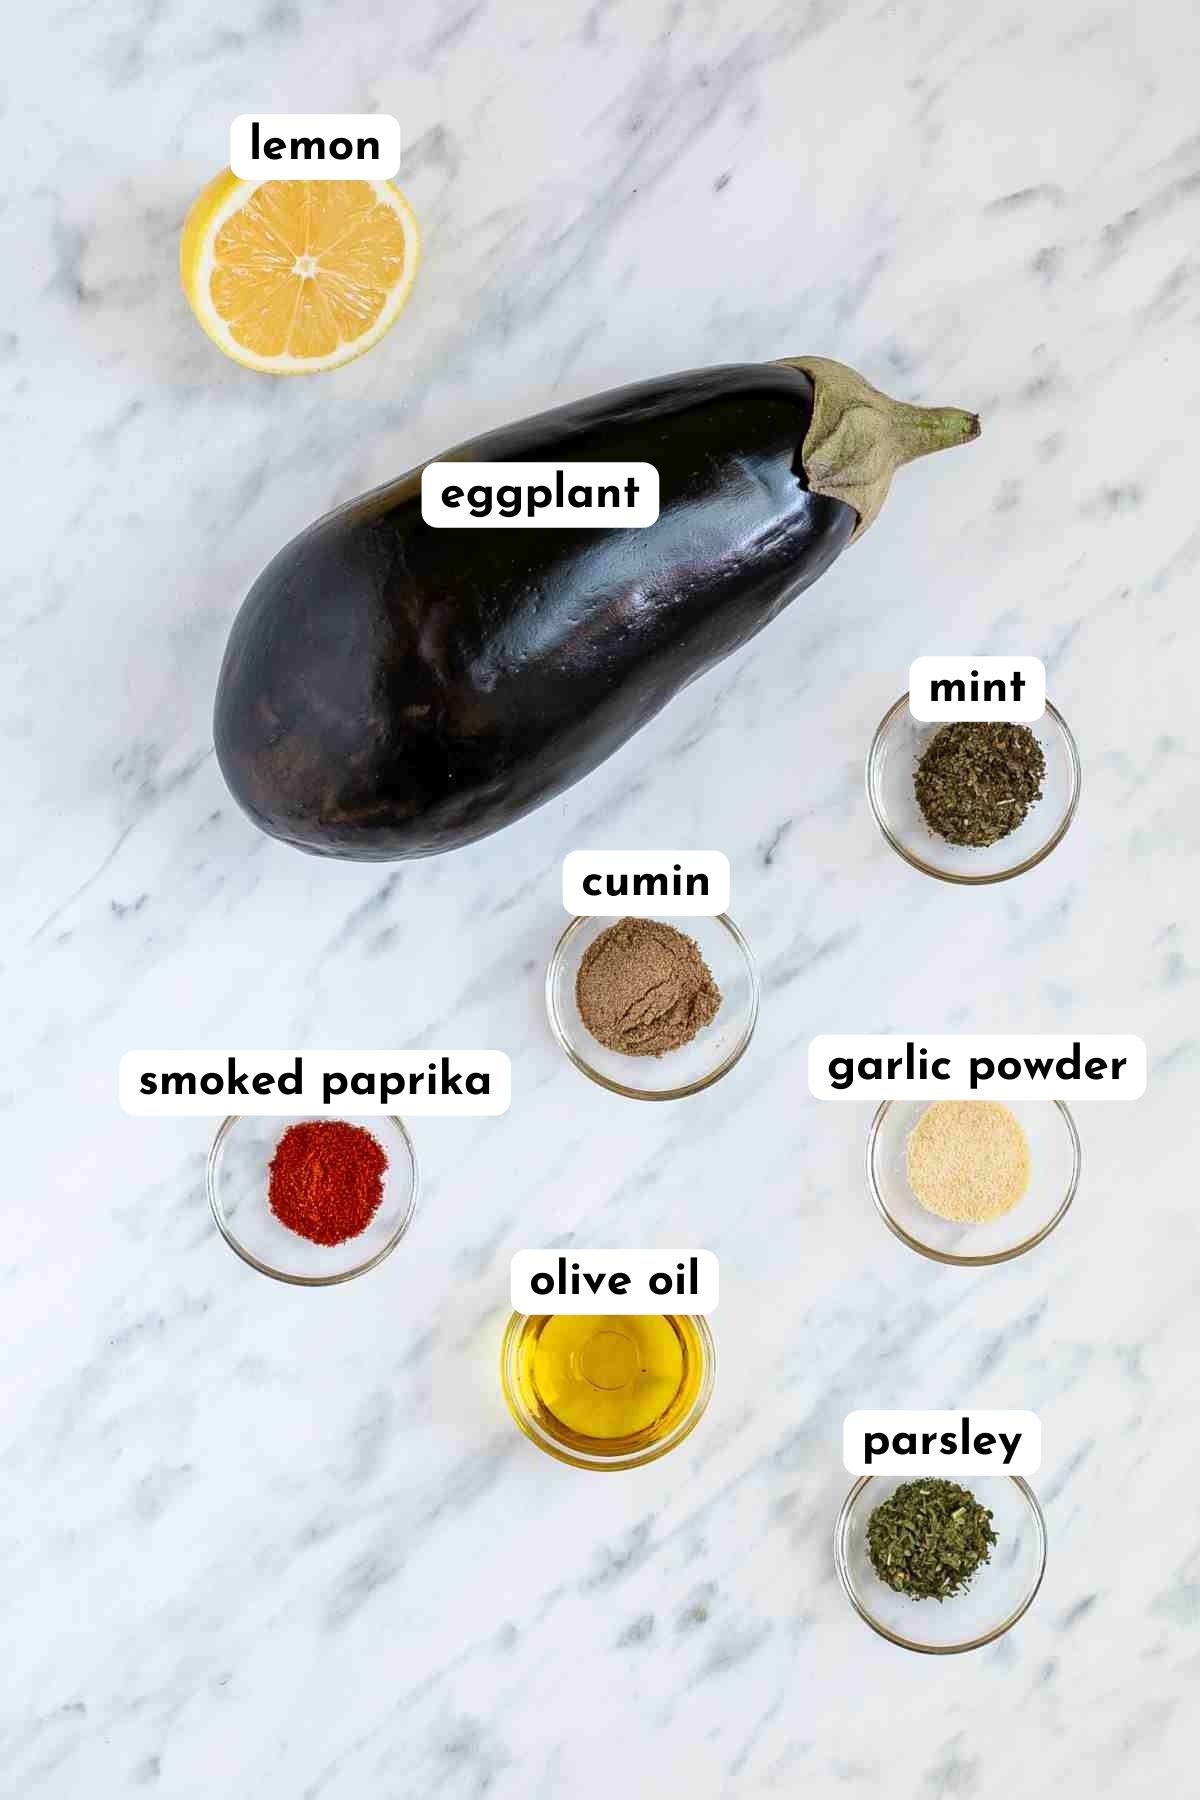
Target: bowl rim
<point>841,1562</point>
<point>310,1281</point>
<point>954,877</point>
<point>734,1055</point>
<point>607,1465</point>
<point>945,1256</point>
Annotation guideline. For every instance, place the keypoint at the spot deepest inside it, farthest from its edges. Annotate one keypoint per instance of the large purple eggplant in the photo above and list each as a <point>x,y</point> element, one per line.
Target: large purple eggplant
<point>394,690</point>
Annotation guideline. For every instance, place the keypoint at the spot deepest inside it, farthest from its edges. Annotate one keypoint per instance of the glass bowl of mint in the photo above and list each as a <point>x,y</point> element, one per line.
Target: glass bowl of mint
<point>973,801</point>
<point>940,1566</point>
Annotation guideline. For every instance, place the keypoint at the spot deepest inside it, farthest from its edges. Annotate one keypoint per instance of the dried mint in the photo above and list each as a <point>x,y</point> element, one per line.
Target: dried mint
<point>929,1537</point>
<point>977,780</point>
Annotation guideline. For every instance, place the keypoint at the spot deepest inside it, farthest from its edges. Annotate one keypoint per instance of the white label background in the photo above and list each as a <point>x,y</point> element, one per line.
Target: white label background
<point>493,1063</point>
<point>713,864</point>
<point>327,126</point>
<point>438,476</point>
<point>927,669</point>
<point>1130,1084</point>
<point>639,1265</point>
<point>1026,1460</point>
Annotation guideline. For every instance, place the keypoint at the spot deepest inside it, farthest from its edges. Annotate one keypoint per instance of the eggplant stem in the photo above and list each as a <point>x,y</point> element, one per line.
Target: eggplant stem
<point>858,437</point>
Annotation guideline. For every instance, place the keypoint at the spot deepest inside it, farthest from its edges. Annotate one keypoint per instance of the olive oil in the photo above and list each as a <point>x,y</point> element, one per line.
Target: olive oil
<point>606,1390</point>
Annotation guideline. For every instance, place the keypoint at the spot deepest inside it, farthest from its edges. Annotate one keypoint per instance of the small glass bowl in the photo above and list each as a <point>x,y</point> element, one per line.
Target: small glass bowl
<point>999,1594</point>
<point>712,1052</point>
<point>602,1458</point>
<point>237,1175</point>
<point>895,751</point>
<point>1054,1164</point>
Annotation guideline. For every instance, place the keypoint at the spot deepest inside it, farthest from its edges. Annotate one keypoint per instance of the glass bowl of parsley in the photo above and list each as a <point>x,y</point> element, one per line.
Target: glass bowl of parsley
<point>937,1566</point>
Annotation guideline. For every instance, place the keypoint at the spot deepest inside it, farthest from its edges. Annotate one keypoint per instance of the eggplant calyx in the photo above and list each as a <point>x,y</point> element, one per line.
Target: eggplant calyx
<point>858,437</point>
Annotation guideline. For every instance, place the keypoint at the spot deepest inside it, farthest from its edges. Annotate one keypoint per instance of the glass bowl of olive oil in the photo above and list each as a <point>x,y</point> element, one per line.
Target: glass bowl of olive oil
<point>607,1391</point>
<point>999,1593</point>
<point>898,746</point>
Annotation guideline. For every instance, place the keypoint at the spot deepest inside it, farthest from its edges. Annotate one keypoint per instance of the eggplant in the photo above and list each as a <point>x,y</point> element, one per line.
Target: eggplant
<point>394,690</point>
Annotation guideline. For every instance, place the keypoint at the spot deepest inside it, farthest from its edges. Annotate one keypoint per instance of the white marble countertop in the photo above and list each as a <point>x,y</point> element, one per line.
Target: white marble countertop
<point>276,1543</point>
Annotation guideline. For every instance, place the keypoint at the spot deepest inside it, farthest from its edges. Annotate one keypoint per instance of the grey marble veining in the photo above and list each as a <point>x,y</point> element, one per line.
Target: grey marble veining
<point>261,1542</point>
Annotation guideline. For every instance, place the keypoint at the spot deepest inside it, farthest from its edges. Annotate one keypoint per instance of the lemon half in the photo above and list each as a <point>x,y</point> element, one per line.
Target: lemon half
<point>295,276</point>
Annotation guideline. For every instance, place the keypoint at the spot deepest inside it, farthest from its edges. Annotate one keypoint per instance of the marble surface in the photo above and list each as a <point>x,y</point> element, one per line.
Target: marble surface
<point>275,1543</point>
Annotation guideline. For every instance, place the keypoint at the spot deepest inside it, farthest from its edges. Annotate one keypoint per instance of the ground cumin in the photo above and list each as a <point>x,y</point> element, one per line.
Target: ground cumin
<point>643,988</point>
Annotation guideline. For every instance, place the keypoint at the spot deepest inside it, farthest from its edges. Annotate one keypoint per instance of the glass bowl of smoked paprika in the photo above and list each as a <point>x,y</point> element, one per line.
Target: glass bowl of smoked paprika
<point>312,1201</point>
<point>899,744</point>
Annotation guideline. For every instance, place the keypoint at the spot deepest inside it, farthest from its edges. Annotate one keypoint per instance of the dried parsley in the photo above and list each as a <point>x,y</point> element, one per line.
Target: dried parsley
<point>929,1538</point>
<point>977,780</point>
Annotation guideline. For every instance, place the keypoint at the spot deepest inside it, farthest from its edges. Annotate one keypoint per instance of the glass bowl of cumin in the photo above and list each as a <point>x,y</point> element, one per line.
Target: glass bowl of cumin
<point>692,1066</point>
<point>896,750</point>
<point>239,1176</point>
<point>999,1593</point>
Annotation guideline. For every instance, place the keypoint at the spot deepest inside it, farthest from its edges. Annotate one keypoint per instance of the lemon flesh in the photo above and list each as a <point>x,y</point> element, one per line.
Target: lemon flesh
<point>296,276</point>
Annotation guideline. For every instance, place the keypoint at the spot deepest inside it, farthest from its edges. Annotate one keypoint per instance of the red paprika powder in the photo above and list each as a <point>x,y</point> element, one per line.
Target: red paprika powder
<point>326,1179</point>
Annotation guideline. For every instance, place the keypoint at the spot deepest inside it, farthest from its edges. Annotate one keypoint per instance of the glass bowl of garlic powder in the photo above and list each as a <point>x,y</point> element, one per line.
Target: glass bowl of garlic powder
<point>972,1181</point>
